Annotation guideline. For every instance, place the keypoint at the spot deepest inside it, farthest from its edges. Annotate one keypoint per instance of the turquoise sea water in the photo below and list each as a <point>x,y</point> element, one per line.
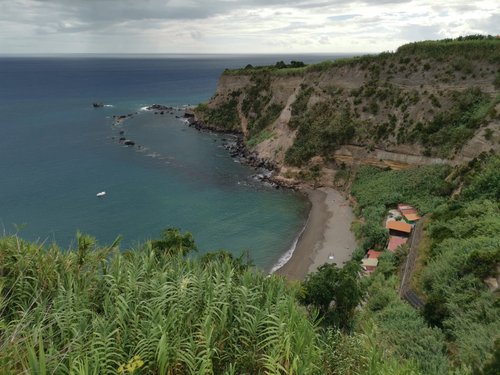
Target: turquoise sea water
<point>57,152</point>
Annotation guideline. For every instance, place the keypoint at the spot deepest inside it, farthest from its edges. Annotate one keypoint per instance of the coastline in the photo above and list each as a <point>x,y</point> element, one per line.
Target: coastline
<point>327,234</point>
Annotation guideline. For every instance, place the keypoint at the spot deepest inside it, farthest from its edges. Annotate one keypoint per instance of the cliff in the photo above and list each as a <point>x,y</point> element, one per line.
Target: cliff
<point>428,102</point>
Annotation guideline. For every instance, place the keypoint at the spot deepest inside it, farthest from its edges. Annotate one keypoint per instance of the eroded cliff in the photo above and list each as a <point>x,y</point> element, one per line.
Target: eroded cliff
<point>427,103</point>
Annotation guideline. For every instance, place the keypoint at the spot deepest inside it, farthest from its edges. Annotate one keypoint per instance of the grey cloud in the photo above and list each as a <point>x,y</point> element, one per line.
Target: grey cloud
<point>196,35</point>
<point>419,32</point>
<point>489,25</point>
<point>95,11</point>
<point>342,17</point>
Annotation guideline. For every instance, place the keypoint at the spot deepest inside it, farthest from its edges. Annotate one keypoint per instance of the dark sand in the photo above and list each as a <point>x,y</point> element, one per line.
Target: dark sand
<point>327,237</point>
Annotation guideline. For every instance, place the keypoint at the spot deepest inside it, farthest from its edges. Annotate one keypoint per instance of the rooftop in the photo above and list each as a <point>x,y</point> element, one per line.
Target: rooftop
<point>395,242</point>
<point>411,217</point>
<point>372,254</point>
<point>399,226</point>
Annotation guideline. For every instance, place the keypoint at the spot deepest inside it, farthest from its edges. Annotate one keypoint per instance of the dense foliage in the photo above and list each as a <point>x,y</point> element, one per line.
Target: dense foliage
<point>465,252</point>
<point>321,130</point>
<point>378,190</point>
<point>460,324</point>
<point>400,329</point>
<point>335,292</point>
<point>224,116</point>
<point>450,129</point>
<point>280,68</point>
<point>99,311</point>
<point>477,46</point>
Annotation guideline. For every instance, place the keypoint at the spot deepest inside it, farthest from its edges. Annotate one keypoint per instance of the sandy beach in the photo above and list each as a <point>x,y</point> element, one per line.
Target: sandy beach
<point>327,237</point>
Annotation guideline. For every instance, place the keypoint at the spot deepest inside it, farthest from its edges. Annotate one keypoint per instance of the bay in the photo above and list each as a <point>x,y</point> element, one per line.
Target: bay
<point>57,152</point>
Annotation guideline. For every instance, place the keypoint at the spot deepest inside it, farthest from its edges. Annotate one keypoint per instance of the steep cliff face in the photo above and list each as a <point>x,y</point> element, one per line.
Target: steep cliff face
<point>429,102</point>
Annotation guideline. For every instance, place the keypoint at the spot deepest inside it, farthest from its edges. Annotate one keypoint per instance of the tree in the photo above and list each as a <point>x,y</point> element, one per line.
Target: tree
<point>335,292</point>
<point>297,64</point>
<point>173,241</point>
<point>280,64</point>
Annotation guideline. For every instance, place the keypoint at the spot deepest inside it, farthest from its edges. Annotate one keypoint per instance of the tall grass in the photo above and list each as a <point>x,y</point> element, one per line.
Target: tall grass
<point>102,311</point>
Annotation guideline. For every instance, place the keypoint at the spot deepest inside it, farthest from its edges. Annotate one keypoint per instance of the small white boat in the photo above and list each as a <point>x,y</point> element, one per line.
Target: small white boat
<point>101,194</point>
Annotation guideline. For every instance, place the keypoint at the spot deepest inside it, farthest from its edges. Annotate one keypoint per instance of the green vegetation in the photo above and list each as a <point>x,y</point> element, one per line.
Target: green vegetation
<point>424,187</point>
<point>264,118</point>
<point>387,107</point>
<point>224,116</point>
<point>399,328</point>
<point>262,136</point>
<point>280,68</point>
<point>99,311</point>
<point>465,251</point>
<point>321,129</point>
<point>450,129</point>
<point>458,329</point>
<point>257,104</point>
<point>335,293</point>
<point>299,106</point>
<point>151,310</point>
<point>376,191</point>
<point>477,47</point>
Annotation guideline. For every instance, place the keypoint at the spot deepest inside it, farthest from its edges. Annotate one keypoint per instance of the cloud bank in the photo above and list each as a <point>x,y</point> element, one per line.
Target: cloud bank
<point>233,26</point>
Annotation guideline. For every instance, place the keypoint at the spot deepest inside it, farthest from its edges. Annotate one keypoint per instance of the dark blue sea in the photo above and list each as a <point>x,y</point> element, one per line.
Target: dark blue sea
<point>57,152</point>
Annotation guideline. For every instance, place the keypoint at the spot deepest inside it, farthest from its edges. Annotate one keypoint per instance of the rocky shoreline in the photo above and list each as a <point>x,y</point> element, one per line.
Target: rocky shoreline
<point>268,170</point>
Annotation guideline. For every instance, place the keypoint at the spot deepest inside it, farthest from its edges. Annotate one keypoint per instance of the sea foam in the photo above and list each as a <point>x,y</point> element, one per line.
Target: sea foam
<point>289,253</point>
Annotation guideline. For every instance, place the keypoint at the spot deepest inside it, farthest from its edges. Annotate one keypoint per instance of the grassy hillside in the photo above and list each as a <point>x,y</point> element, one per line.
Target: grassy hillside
<point>146,311</point>
<point>457,258</point>
<point>151,310</point>
<point>429,98</point>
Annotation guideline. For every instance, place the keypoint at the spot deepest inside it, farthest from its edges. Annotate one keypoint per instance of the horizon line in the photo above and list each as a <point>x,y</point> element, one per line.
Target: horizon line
<point>49,54</point>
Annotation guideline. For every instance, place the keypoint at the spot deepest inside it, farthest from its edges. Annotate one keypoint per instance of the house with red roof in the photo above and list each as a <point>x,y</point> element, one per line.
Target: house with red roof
<point>370,262</point>
<point>399,228</point>
<point>395,242</point>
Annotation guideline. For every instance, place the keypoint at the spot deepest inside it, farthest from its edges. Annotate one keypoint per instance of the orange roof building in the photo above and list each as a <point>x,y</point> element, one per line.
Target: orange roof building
<point>399,226</point>
<point>411,218</point>
<point>409,213</point>
<point>395,242</point>
<point>404,206</point>
<point>374,254</point>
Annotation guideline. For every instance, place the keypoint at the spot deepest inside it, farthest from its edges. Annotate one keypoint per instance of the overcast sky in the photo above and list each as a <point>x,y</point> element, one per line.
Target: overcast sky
<point>234,26</point>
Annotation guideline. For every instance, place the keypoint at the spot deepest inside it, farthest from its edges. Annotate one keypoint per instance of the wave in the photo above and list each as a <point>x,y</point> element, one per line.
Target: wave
<point>108,105</point>
<point>289,253</point>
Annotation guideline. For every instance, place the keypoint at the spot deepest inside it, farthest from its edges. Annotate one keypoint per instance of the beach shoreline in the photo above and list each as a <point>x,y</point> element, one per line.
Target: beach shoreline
<point>326,237</point>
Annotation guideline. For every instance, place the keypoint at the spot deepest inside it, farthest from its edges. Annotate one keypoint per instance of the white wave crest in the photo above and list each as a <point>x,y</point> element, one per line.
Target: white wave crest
<point>289,253</point>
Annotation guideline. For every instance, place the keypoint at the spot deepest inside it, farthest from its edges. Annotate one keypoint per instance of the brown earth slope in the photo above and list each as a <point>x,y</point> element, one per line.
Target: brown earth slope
<point>427,103</point>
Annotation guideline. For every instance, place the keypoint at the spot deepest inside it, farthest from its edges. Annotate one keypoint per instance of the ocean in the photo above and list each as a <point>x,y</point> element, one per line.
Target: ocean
<point>57,152</point>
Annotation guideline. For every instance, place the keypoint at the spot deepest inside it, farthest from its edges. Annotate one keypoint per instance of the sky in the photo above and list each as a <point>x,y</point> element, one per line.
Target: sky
<point>234,26</point>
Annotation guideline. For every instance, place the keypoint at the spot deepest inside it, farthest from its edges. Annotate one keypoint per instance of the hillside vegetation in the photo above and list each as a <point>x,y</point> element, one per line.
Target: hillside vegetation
<point>148,310</point>
<point>151,310</point>
<point>427,98</point>
<point>459,258</point>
